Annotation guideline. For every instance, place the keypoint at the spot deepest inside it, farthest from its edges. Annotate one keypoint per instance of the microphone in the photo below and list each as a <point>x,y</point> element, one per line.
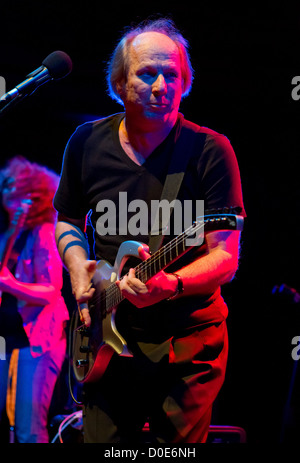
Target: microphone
<point>55,66</point>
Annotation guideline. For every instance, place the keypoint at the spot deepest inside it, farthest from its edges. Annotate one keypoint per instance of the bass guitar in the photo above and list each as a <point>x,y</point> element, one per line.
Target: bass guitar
<point>93,346</point>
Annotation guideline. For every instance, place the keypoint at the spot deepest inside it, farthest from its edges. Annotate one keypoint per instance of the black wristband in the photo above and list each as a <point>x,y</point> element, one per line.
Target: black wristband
<point>179,289</point>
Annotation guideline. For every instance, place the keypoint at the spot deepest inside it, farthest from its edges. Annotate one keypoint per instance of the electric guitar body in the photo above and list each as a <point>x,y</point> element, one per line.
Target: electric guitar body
<point>94,346</point>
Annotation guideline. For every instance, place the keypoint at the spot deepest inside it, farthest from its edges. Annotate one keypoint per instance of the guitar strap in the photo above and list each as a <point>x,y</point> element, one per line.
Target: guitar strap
<point>185,142</point>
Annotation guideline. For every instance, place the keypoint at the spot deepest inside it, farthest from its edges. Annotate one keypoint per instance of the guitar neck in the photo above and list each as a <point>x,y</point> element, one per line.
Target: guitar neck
<point>173,250</point>
<point>162,258</point>
<point>181,244</point>
<point>18,222</point>
<point>7,251</point>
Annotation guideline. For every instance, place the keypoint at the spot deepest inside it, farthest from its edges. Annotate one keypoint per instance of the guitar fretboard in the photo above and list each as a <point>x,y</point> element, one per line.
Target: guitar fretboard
<point>112,296</point>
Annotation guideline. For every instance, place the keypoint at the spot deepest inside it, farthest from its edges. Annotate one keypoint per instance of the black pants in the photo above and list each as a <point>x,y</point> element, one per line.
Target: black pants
<point>173,387</point>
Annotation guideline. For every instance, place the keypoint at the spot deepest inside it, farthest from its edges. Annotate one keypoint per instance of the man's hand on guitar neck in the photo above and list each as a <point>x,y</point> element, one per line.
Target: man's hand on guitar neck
<point>202,276</point>
<point>161,286</point>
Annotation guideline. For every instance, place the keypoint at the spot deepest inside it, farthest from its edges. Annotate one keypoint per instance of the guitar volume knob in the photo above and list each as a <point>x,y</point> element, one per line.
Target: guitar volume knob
<point>81,363</point>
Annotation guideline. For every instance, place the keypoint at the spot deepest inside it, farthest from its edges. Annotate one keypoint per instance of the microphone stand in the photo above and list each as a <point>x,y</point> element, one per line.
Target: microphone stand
<point>14,101</point>
<point>10,105</point>
<point>20,96</point>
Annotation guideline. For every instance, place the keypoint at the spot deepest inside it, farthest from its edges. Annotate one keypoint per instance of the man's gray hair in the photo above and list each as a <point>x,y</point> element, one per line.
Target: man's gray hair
<point>117,66</point>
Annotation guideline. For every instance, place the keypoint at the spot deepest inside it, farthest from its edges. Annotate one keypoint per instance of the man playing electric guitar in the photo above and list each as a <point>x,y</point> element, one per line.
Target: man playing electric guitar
<point>175,323</point>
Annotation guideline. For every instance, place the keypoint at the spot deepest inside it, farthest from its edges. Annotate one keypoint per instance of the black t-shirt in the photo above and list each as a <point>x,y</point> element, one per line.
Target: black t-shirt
<point>96,169</point>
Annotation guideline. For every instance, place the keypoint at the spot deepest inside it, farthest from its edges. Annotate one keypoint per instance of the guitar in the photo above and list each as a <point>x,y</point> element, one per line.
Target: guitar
<point>94,346</point>
<point>16,225</point>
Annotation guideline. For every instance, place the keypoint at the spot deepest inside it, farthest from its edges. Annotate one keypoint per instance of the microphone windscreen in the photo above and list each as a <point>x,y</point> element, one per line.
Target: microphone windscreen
<point>59,64</point>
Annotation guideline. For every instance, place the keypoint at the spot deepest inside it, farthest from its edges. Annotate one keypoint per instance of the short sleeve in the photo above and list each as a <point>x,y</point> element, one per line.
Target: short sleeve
<point>219,174</point>
<point>69,198</point>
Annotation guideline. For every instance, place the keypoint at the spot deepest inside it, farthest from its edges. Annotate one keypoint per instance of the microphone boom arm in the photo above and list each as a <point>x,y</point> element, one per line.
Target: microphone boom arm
<point>56,66</point>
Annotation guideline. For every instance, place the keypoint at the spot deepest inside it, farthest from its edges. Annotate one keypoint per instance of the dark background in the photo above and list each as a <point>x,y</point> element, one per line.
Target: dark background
<point>244,57</point>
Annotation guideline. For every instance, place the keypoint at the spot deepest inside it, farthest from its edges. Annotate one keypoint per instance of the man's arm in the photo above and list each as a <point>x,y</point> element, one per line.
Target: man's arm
<point>34,293</point>
<point>201,277</point>
<point>216,267</point>
<point>70,242</point>
<point>46,269</point>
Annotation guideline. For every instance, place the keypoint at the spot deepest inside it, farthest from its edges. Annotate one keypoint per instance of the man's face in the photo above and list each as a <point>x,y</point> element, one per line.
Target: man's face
<point>153,88</point>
